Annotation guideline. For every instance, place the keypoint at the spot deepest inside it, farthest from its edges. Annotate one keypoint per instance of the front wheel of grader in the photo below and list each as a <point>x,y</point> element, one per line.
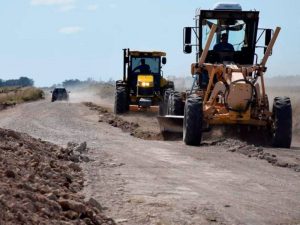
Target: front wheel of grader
<point>282,122</point>
<point>193,120</point>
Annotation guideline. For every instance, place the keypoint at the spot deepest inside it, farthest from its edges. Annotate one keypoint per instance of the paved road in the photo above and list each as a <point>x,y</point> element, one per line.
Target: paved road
<point>163,183</point>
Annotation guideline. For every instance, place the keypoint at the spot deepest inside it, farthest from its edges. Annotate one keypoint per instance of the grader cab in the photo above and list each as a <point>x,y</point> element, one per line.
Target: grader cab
<point>228,87</point>
<point>143,84</point>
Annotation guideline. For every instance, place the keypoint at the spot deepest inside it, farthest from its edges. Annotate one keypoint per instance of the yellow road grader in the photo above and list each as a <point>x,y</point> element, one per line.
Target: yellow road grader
<point>143,84</point>
<point>228,87</point>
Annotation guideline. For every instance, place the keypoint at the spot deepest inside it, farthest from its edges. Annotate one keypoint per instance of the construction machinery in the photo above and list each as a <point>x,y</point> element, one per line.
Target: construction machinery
<point>228,86</point>
<point>143,84</point>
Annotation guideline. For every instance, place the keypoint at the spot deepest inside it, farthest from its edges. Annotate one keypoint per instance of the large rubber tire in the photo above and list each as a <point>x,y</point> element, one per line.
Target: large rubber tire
<point>175,104</point>
<point>121,101</point>
<point>119,83</point>
<point>193,120</point>
<point>163,106</point>
<point>282,122</point>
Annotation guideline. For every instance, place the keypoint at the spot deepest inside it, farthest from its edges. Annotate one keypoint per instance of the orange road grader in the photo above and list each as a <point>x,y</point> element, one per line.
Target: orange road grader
<point>228,87</point>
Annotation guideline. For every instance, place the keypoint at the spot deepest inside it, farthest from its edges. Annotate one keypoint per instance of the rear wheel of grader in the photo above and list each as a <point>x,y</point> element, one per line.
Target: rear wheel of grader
<point>175,104</point>
<point>282,122</point>
<point>121,101</point>
<point>193,119</point>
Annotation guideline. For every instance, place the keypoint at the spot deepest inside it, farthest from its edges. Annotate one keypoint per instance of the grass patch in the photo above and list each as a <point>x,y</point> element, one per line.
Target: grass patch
<point>16,95</point>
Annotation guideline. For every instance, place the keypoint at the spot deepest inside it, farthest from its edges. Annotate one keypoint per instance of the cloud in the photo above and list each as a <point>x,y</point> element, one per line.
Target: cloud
<point>51,2</point>
<point>66,8</point>
<point>70,30</point>
<point>63,5</point>
<point>92,7</point>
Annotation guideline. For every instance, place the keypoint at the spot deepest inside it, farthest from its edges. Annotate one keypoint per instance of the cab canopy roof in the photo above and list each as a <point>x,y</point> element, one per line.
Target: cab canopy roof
<point>228,6</point>
<point>147,53</point>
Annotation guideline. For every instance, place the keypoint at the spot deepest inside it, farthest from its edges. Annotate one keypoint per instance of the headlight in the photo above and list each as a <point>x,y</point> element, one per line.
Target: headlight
<point>145,84</point>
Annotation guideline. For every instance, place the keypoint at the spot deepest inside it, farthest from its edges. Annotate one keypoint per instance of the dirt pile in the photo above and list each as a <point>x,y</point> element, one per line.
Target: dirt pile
<point>279,158</point>
<point>137,129</point>
<point>40,183</point>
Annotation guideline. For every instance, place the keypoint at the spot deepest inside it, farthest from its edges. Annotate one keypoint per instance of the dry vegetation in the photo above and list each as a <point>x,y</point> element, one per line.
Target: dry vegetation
<point>15,95</point>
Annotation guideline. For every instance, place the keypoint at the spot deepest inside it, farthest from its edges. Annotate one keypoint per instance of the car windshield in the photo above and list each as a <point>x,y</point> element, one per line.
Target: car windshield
<point>234,29</point>
<point>60,91</point>
<point>153,62</point>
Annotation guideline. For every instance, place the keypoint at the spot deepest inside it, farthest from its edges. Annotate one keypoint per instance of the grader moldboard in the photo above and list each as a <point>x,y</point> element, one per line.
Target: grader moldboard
<point>143,84</point>
<point>228,87</point>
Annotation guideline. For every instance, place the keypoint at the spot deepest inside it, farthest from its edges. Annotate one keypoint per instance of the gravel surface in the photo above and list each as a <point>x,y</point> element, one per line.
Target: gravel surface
<point>165,182</point>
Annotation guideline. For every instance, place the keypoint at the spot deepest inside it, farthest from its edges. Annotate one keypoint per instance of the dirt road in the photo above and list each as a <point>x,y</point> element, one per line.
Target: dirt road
<point>164,183</point>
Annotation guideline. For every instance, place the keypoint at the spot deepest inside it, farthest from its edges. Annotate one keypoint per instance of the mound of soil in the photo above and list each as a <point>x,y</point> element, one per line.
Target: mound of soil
<point>134,124</point>
<point>280,158</point>
<point>40,183</point>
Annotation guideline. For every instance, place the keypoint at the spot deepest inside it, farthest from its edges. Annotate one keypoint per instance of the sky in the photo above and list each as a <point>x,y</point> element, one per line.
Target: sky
<point>54,40</point>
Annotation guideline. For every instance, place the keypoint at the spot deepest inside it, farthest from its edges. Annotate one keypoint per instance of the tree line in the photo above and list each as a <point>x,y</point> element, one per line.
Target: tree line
<point>89,81</point>
<point>22,81</point>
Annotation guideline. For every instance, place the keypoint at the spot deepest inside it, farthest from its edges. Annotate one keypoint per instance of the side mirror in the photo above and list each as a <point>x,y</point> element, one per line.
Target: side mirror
<point>268,37</point>
<point>187,49</point>
<point>187,38</point>
<point>51,91</point>
<point>164,60</point>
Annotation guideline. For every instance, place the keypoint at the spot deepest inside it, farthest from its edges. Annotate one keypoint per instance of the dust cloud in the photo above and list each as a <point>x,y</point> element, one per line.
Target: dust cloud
<point>181,83</point>
<point>99,94</point>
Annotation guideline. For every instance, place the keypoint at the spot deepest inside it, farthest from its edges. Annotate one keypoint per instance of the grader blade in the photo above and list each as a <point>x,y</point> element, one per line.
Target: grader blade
<point>171,123</point>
